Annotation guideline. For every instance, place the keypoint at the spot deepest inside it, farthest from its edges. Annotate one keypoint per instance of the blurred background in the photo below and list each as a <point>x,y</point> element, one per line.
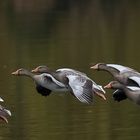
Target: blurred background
<point>75,34</point>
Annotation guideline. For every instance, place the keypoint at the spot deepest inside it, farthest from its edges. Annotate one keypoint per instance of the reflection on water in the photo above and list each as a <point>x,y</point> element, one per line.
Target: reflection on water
<point>67,34</point>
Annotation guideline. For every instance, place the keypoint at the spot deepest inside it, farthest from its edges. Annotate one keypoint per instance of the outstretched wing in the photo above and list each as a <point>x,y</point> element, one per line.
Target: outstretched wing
<point>133,88</point>
<point>4,114</point>
<point>81,88</point>
<point>98,88</point>
<point>136,79</point>
<point>70,71</point>
<point>53,79</point>
<point>120,68</point>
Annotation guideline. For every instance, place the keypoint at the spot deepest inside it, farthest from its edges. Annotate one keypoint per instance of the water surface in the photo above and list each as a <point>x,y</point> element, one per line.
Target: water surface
<point>67,34</point>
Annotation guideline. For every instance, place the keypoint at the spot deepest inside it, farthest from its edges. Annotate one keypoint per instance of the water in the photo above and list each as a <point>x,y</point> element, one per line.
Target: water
<point>67,34</point>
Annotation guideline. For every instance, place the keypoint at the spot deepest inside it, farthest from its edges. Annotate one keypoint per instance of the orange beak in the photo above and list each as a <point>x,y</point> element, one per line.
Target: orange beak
<point>34,70</point>
<point>95,67</point>
<point>108,86</point>
<point>15,73</point>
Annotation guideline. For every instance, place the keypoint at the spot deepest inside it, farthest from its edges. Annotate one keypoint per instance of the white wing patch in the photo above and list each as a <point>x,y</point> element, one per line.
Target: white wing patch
<point>64,69</point>
<point>1,100</point>
<point>135,79</point>
<point>70,70</point>
<point>82,93</point>
<point>120,68</point>
<point>54,80</point>
<point>133,88</point>
<point>8,112</point>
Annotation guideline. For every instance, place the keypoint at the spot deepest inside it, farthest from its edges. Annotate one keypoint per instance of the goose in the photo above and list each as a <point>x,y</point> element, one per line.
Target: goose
<point>78,83</point>
<point>40,89</point>
<point>121,74</point>
<point>4,113</point>
<point>132,92</point>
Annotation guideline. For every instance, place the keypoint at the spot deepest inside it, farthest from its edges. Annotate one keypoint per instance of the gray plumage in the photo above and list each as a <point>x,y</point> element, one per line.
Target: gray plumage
<point>121,74</point>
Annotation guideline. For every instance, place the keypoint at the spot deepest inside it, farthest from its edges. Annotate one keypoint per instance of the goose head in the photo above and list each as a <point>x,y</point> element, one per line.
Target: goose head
<point>131,92</point>
<point>98,66</point>
<point>114,85</point>
<point>20,72</point>
<point>41,69</point>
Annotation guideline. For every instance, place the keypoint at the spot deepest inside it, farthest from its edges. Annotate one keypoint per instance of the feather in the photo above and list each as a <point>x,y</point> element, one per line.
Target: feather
<point>81,88</point>
<point>120,68</point>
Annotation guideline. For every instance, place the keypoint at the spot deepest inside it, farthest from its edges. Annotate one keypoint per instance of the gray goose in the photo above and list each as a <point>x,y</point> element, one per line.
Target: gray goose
<point>121,74</point>
<point>132,92</point>
<point>76,82</point>
<point>4,113</point>
<point>81,86</point>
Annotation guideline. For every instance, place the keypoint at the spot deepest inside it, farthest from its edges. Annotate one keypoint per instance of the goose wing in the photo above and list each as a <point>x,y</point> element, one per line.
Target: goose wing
<point>120,68</point>
<point>81,88</point>
<point>4,114</point>
<point>133,88</point>
<point>70,71</point>
<point>53,80</point>
<point>136,79</point>
<point>98,88</point>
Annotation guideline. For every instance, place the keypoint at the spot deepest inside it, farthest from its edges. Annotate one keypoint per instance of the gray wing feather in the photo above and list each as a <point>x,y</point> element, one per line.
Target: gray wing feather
<point>70,71</point>
<point>81,88</point>
<point>120,68</point>
<point>54,80</point>
<point>135,79</point>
